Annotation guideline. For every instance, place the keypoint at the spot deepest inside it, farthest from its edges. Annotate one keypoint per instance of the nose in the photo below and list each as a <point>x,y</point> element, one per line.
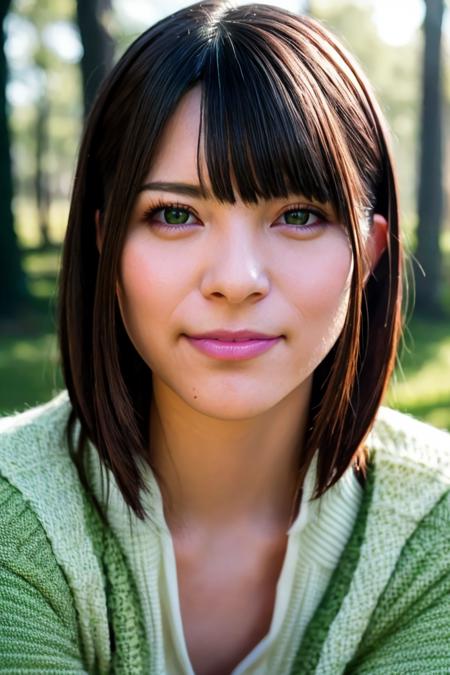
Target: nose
<point>235,268</point>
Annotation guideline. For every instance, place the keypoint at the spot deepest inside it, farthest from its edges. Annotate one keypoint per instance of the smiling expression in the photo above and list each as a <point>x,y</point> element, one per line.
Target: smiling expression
<point>192,265</point>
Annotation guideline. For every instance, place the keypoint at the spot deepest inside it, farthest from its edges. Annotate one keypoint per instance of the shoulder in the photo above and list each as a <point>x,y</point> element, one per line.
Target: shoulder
<point>33,587</point>
<point>40,483</point>
<point>411,463</point>
<point>409,519</point>
<point>34,459</point>
<point>21,534</point>
<point>401,438</point>
<point>411,459</point>
<point>33,445</point>
<point>398,586</point>
<point>38,620</point>
<point>408,544</point>
<point>37,424</point>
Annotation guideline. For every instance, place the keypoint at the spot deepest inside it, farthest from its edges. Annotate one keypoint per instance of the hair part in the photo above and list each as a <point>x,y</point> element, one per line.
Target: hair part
<point>284,110</point>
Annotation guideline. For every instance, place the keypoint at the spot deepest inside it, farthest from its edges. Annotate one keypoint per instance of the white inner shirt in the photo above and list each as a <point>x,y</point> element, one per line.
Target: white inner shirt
<point>316,540</point>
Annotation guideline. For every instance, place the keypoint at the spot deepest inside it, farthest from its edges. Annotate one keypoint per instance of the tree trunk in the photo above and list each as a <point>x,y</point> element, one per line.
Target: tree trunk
<point>13,291</point>
<point>42,177</point>
<point>430,199</point>
<point>98,47</point>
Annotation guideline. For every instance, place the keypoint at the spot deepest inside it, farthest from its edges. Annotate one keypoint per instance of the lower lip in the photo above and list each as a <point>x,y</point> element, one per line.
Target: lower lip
<point>233,351</point>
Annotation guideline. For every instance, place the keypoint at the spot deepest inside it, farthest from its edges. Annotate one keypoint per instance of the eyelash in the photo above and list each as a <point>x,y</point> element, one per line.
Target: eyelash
<point>161,206</point>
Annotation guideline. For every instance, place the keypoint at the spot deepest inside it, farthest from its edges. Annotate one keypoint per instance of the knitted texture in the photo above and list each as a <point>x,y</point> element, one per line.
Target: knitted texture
<point>65,528</point>
<point>315,543</point>
<point>410,626</point>
<point>68,603</point>
<point>38,624</point>
<point>309,651</point>
<point>130,654</point>
<point>409,474</point>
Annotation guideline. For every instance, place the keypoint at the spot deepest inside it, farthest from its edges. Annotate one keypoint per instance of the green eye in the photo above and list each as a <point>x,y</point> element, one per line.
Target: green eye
<point>174,216</point>
<point>298,217</point>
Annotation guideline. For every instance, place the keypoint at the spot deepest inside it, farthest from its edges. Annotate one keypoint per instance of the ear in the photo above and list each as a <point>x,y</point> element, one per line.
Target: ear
<point>376,242</point>
<point>98,230</point>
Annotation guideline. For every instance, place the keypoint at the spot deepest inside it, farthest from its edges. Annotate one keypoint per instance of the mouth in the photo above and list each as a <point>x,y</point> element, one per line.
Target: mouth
<point>234,336</point>
<point>233,346</point>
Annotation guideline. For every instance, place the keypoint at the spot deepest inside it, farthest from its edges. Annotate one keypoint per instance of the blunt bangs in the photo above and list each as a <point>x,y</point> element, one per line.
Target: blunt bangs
<point>259,140</point>
<point>275,124</point>
<point>272,123</point>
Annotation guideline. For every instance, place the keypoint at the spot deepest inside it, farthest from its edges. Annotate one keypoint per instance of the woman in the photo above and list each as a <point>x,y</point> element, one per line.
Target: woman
<point>217,491</point>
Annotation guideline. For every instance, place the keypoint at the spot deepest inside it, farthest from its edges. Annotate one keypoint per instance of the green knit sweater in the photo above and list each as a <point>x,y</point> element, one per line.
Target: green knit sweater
<point>68,603</point>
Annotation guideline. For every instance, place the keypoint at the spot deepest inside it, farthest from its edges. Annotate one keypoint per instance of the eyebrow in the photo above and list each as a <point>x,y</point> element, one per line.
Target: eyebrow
<point>187,189</point>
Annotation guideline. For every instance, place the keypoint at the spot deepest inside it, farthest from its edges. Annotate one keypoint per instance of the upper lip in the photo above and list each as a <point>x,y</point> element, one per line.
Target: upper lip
<point>234,335</point>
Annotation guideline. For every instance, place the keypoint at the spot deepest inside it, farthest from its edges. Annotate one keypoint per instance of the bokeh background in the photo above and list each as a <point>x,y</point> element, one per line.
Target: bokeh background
<point>53,55</point>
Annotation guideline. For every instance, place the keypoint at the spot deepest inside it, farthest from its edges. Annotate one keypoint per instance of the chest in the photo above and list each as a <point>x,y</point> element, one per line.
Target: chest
<point>226,601</point>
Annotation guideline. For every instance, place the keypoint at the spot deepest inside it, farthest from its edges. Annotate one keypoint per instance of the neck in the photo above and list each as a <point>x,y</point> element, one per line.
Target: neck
<point>214,472</point>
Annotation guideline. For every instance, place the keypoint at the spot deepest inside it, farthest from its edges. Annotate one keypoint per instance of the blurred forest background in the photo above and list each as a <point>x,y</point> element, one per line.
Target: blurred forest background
<point>54,53</point>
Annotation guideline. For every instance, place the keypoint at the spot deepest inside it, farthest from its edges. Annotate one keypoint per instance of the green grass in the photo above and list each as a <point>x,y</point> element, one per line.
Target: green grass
<point>421,384</point>
<point>29,371</point>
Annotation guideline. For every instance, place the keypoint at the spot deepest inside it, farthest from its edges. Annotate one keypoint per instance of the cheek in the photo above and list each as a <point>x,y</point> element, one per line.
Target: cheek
<point>319,283</point>
<point>147,291</point>
<point>321,278</point>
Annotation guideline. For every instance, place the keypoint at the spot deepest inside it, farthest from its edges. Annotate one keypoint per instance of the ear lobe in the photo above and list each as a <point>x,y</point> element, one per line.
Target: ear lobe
<point>98,231</point>
<point>376,242</point>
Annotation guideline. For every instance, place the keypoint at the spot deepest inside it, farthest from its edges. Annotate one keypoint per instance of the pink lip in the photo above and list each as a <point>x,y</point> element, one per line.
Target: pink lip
<point>236,348</point>
<point>230,336</point>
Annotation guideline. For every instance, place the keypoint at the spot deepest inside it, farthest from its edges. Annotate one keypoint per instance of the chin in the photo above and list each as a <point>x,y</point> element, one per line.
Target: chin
<point>232,411</point>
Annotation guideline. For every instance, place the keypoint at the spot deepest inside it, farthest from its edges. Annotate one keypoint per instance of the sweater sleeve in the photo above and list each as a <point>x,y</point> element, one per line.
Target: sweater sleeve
<point>38,625</point>
<point>409,632</point>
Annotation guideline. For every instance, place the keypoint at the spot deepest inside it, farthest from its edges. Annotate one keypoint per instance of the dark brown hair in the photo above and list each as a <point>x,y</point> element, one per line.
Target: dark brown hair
<point>285,110</point>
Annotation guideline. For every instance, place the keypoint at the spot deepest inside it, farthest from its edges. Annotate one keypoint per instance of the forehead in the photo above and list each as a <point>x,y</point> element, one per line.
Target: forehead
<point>177,148</point>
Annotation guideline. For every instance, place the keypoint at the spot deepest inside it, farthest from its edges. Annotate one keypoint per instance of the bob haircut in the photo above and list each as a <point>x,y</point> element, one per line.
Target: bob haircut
<point>285,109</point>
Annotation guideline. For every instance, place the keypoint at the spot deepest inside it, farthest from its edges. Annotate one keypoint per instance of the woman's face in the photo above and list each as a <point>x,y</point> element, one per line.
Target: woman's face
<point>192,266</point>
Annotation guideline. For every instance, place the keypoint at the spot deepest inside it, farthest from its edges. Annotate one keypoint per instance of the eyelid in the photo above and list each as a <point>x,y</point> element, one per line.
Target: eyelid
<point>306,207</point>
<point>309,208</point>
<point>160,205</point>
